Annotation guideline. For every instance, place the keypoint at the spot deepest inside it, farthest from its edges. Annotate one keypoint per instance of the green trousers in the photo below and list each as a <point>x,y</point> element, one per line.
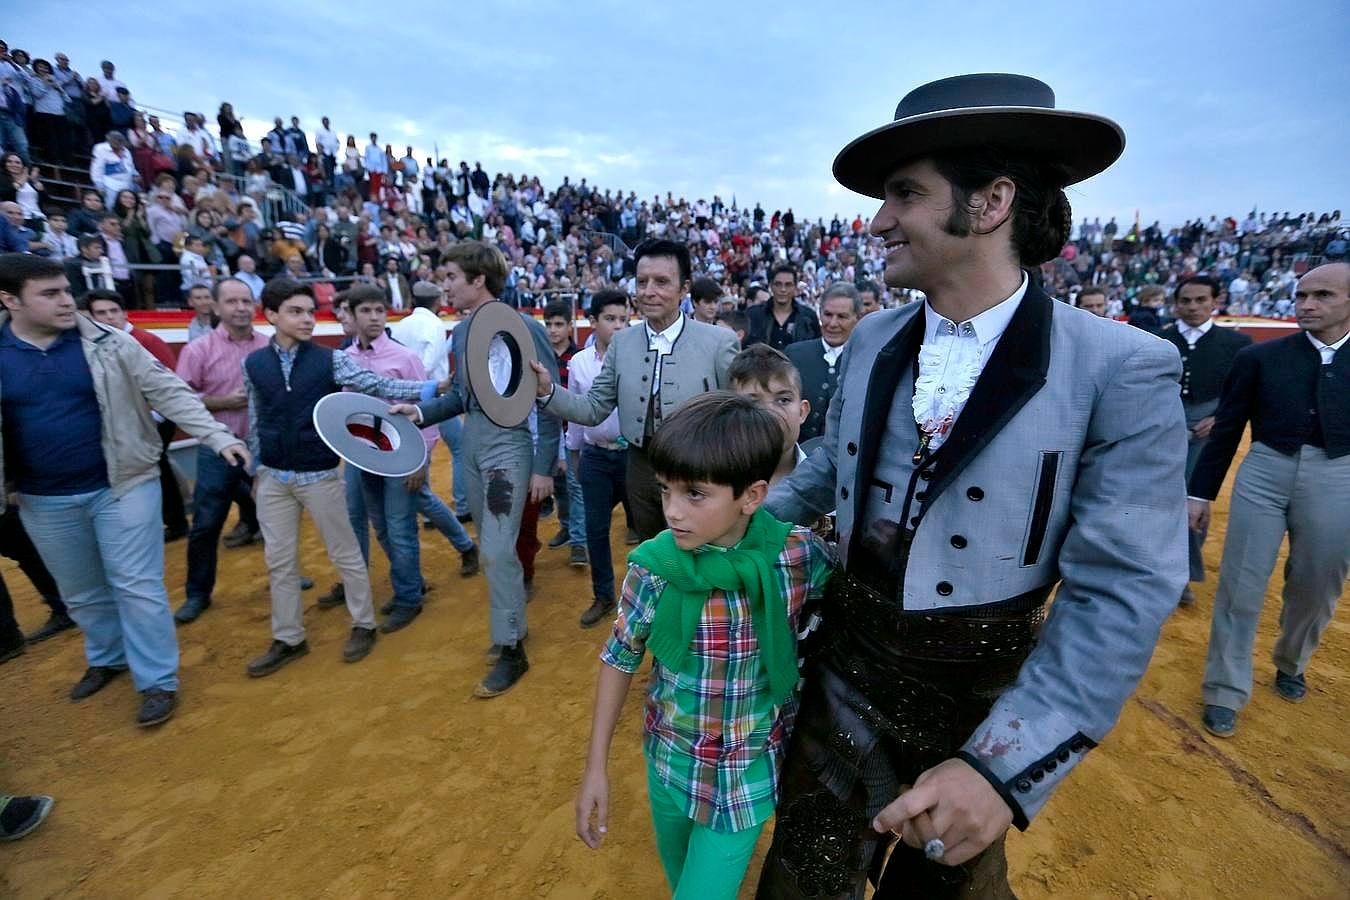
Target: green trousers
<point>700,864</point>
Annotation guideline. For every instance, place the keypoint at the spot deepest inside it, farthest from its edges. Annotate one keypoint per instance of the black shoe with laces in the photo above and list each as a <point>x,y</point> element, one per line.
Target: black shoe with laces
<point>337,596</point>
<point>510,666</point>
<point>157,707</point>
<point>359,645</point>
<point>95,679</point>
<point>558,539</point>
<point>277,655</point>
<point>55,624</point>
<point>578,558</point>
<point>468,563</point>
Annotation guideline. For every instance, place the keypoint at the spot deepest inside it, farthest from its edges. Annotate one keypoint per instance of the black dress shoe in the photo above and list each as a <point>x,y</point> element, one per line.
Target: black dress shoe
<point>56,623</point>
<point>599,609</point>
<point>20,815</point>
<point>335,597</point>
<point>578,558</point>
<point>95,679</point>
<point>241,536</point>
<point>359,645</point>
<point>468,563</point>
<point>157,707</point>
<point>190,611</point>
<point>511,665</point>
<point>277,655</point>
<point>558,539</point>
<point>400,617</point>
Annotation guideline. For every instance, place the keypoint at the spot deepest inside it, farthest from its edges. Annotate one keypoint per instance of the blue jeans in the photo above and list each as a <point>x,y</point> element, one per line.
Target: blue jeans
<point>13,139</point>
<point>393,512</point>
<point>107,556</point>
<point>444,521</point>
<point>604,476</point>
<point>576,504</point>
<point>219,484</point>
<point>452,432</point>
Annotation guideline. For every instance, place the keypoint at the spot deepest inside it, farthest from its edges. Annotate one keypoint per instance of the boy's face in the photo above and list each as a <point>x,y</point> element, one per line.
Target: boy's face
<point>782,398</point>
<point>701,513</point>
<point>613,319</point>
<point>109,313</point>
<point>705,310</point>
<point>202,304</point>
<point>370,317</point>
<point>559,332</point>
<point>295,318</point>
<point>58,224</point>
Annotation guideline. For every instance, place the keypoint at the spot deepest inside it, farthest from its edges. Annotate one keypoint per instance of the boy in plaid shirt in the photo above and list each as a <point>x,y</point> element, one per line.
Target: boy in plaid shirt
<point>716,598</point>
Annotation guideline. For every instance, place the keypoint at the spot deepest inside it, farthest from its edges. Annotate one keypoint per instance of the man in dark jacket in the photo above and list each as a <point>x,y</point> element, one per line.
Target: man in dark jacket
<point>784,320</point>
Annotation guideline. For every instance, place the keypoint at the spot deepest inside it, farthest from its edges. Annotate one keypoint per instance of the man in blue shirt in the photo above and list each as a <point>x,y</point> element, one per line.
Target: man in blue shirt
<point>88,489</point>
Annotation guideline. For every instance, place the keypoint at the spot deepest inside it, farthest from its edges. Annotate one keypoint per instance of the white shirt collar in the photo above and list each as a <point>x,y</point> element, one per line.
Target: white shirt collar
<point>1327,350</point>
<point>987,326</point>
<point>1193,333</point>
<point>831,353</point>
<point>671,333</point>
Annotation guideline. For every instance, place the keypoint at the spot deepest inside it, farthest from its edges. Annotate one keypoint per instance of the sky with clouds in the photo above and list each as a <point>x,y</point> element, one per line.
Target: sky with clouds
<point>1225,106</point>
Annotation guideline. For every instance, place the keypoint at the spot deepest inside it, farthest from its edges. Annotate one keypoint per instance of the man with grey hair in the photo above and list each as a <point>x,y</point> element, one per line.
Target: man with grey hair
<point>111,168</point>
<point>817,359</point>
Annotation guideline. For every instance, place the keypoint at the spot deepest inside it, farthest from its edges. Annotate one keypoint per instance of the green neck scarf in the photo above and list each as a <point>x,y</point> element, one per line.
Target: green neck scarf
<point>747,567</point>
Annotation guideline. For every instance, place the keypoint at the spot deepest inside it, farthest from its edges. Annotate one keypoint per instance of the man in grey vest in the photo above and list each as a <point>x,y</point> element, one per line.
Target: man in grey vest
<point>649,371</point>
<point>983,447</point>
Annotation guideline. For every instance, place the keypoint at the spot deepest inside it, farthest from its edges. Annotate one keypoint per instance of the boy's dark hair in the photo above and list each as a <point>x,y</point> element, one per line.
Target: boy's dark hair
<point>475,258</point>
<point>783,267</point>
<point>1215,289</point>
<point>704,288</point>
<point>738,320</point>
<point>1091,289</point>
<point>279,290</point>
<point>606,297</point>
<point>558,309</point>
<point>656,247</point>
<point>87,301</point>
<point>17,269</point>
<point>362,293</point>
<point>718,437</point>
<point>759,364</point>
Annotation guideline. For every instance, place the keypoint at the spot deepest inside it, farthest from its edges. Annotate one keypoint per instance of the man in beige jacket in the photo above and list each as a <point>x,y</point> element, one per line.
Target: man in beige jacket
<point>82,452</point>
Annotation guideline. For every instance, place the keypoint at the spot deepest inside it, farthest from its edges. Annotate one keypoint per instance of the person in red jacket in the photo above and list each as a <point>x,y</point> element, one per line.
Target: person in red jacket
<point>107,307</point>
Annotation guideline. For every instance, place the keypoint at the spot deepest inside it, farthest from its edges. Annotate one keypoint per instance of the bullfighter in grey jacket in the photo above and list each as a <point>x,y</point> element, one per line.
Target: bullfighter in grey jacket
<point>982,447</point>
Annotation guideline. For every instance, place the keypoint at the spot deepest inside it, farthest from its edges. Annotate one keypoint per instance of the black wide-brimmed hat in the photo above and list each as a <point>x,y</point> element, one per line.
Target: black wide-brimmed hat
<point>968,111</point>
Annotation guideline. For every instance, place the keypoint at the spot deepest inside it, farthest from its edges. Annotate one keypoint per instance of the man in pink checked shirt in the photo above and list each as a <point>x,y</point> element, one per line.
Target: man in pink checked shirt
<point>392,504</point>
<point>212,366</point>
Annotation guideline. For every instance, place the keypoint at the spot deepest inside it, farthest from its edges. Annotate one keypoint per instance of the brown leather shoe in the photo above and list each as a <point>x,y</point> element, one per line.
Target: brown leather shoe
<point>359,645</point>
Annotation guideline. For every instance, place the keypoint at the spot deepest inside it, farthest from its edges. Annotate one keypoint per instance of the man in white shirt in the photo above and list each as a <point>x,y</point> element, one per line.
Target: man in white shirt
<point>326,140</point>
<point>111,167</point>
<point>108,81</point>
<point>110,229</point>
<point>817,359</point>
<point>248,274</point>
<point>193,134</point>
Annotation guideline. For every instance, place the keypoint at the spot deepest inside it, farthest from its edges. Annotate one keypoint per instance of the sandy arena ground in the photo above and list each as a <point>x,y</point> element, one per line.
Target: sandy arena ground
<point>386,779</point>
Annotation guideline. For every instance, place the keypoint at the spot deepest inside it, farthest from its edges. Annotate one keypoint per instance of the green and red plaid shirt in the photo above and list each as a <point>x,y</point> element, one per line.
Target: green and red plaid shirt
<point>712,733</point>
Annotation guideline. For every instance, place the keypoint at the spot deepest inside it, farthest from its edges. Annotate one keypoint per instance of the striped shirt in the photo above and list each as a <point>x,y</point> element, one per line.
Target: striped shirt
<point>712,732</point>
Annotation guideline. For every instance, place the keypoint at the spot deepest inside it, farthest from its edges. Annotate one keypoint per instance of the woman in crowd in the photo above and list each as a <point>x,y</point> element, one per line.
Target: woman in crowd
<point>351,163</point>
<point>328,253</point>
<point>21,185</point>
<point>225,118</point>
<point>137,243</point>
<point>47,128</point>
<point>97,116</point>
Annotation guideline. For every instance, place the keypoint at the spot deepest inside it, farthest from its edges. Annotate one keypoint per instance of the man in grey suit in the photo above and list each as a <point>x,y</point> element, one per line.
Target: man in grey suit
<point>649,371</point>
<point>982,447</point>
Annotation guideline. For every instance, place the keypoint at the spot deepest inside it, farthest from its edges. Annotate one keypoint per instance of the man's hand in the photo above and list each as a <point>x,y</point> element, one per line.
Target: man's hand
<point>1198,511</point>
<point>593,797</point>
<point>1201,429</point>
<point>237,400</point>
<point>413,483</point>
<point>541,486</point>
<point>545,380</point>
<point>950,801</point>
<point>407,409</point>
<point>237,455</point>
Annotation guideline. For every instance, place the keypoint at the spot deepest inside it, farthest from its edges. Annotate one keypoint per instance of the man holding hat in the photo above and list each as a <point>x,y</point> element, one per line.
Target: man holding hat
<point>982,448</point>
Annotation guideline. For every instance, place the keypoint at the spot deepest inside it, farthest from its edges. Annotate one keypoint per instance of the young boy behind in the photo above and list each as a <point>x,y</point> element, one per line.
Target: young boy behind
<point>716,597</point>
<point>566,488</point>
<point>766,376</point>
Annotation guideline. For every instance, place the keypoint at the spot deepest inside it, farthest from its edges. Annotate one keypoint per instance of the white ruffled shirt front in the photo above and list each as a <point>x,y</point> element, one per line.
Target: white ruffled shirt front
<point>950,362</point>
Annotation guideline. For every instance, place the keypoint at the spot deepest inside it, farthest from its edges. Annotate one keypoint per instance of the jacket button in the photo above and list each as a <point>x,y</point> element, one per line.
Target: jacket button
<point>1051,765</point>
<point>944,588</point>
<point>1024,786</point>
<point>843,492</point>
<point>1077,745</point>
<point>921,496</point>
<point>959,542</point>
<point>852,449</point>
<point>914,520</point>
<point>644,377</point>
<point>1063,756</point>
<point>926,475</point>
<point>1038,774</point>
<point>975,494</point>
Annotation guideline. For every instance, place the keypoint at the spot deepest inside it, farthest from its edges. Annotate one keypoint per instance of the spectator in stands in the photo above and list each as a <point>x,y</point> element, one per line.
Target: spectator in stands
<point>61,244</point>
<point>786,320</point>
<point>703,296</point>
<point>22,185</point>
<point>47,124</point>
<point>13,213</point>
<point>248,274</point>
<point>193,267</point>
<point>108,82</point>
<point>193,135</point>
<point>377,167</point>
<point>72,88</point>
<point>110,229</point>
<point>396,288</point>
<point>871,297</point>
<point>111,167</point>
<point>817,359</point>
<point>97,118</point>
<point>1093,299</point>
<point>120,110</point>
<point>226,120</point>
<point>90,503</point>
<point>295,139</point>
<point>90,270</point>
<point>13,81</point>
<point>326,142</point>
<point>1149,303</point>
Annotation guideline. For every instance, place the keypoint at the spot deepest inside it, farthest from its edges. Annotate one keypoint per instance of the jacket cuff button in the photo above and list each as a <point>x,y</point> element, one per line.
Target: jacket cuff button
<point>944,588</point>
<point>1024,786</point>
<point>852,449</point>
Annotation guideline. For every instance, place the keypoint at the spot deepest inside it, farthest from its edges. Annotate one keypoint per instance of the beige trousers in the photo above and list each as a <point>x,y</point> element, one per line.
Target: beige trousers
<point>279,507</point>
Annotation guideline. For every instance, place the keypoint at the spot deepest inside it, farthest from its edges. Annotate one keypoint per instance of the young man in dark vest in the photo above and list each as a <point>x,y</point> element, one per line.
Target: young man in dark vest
<point>1207,353</point>
<point>985,447</point>
<point>296,470</point>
